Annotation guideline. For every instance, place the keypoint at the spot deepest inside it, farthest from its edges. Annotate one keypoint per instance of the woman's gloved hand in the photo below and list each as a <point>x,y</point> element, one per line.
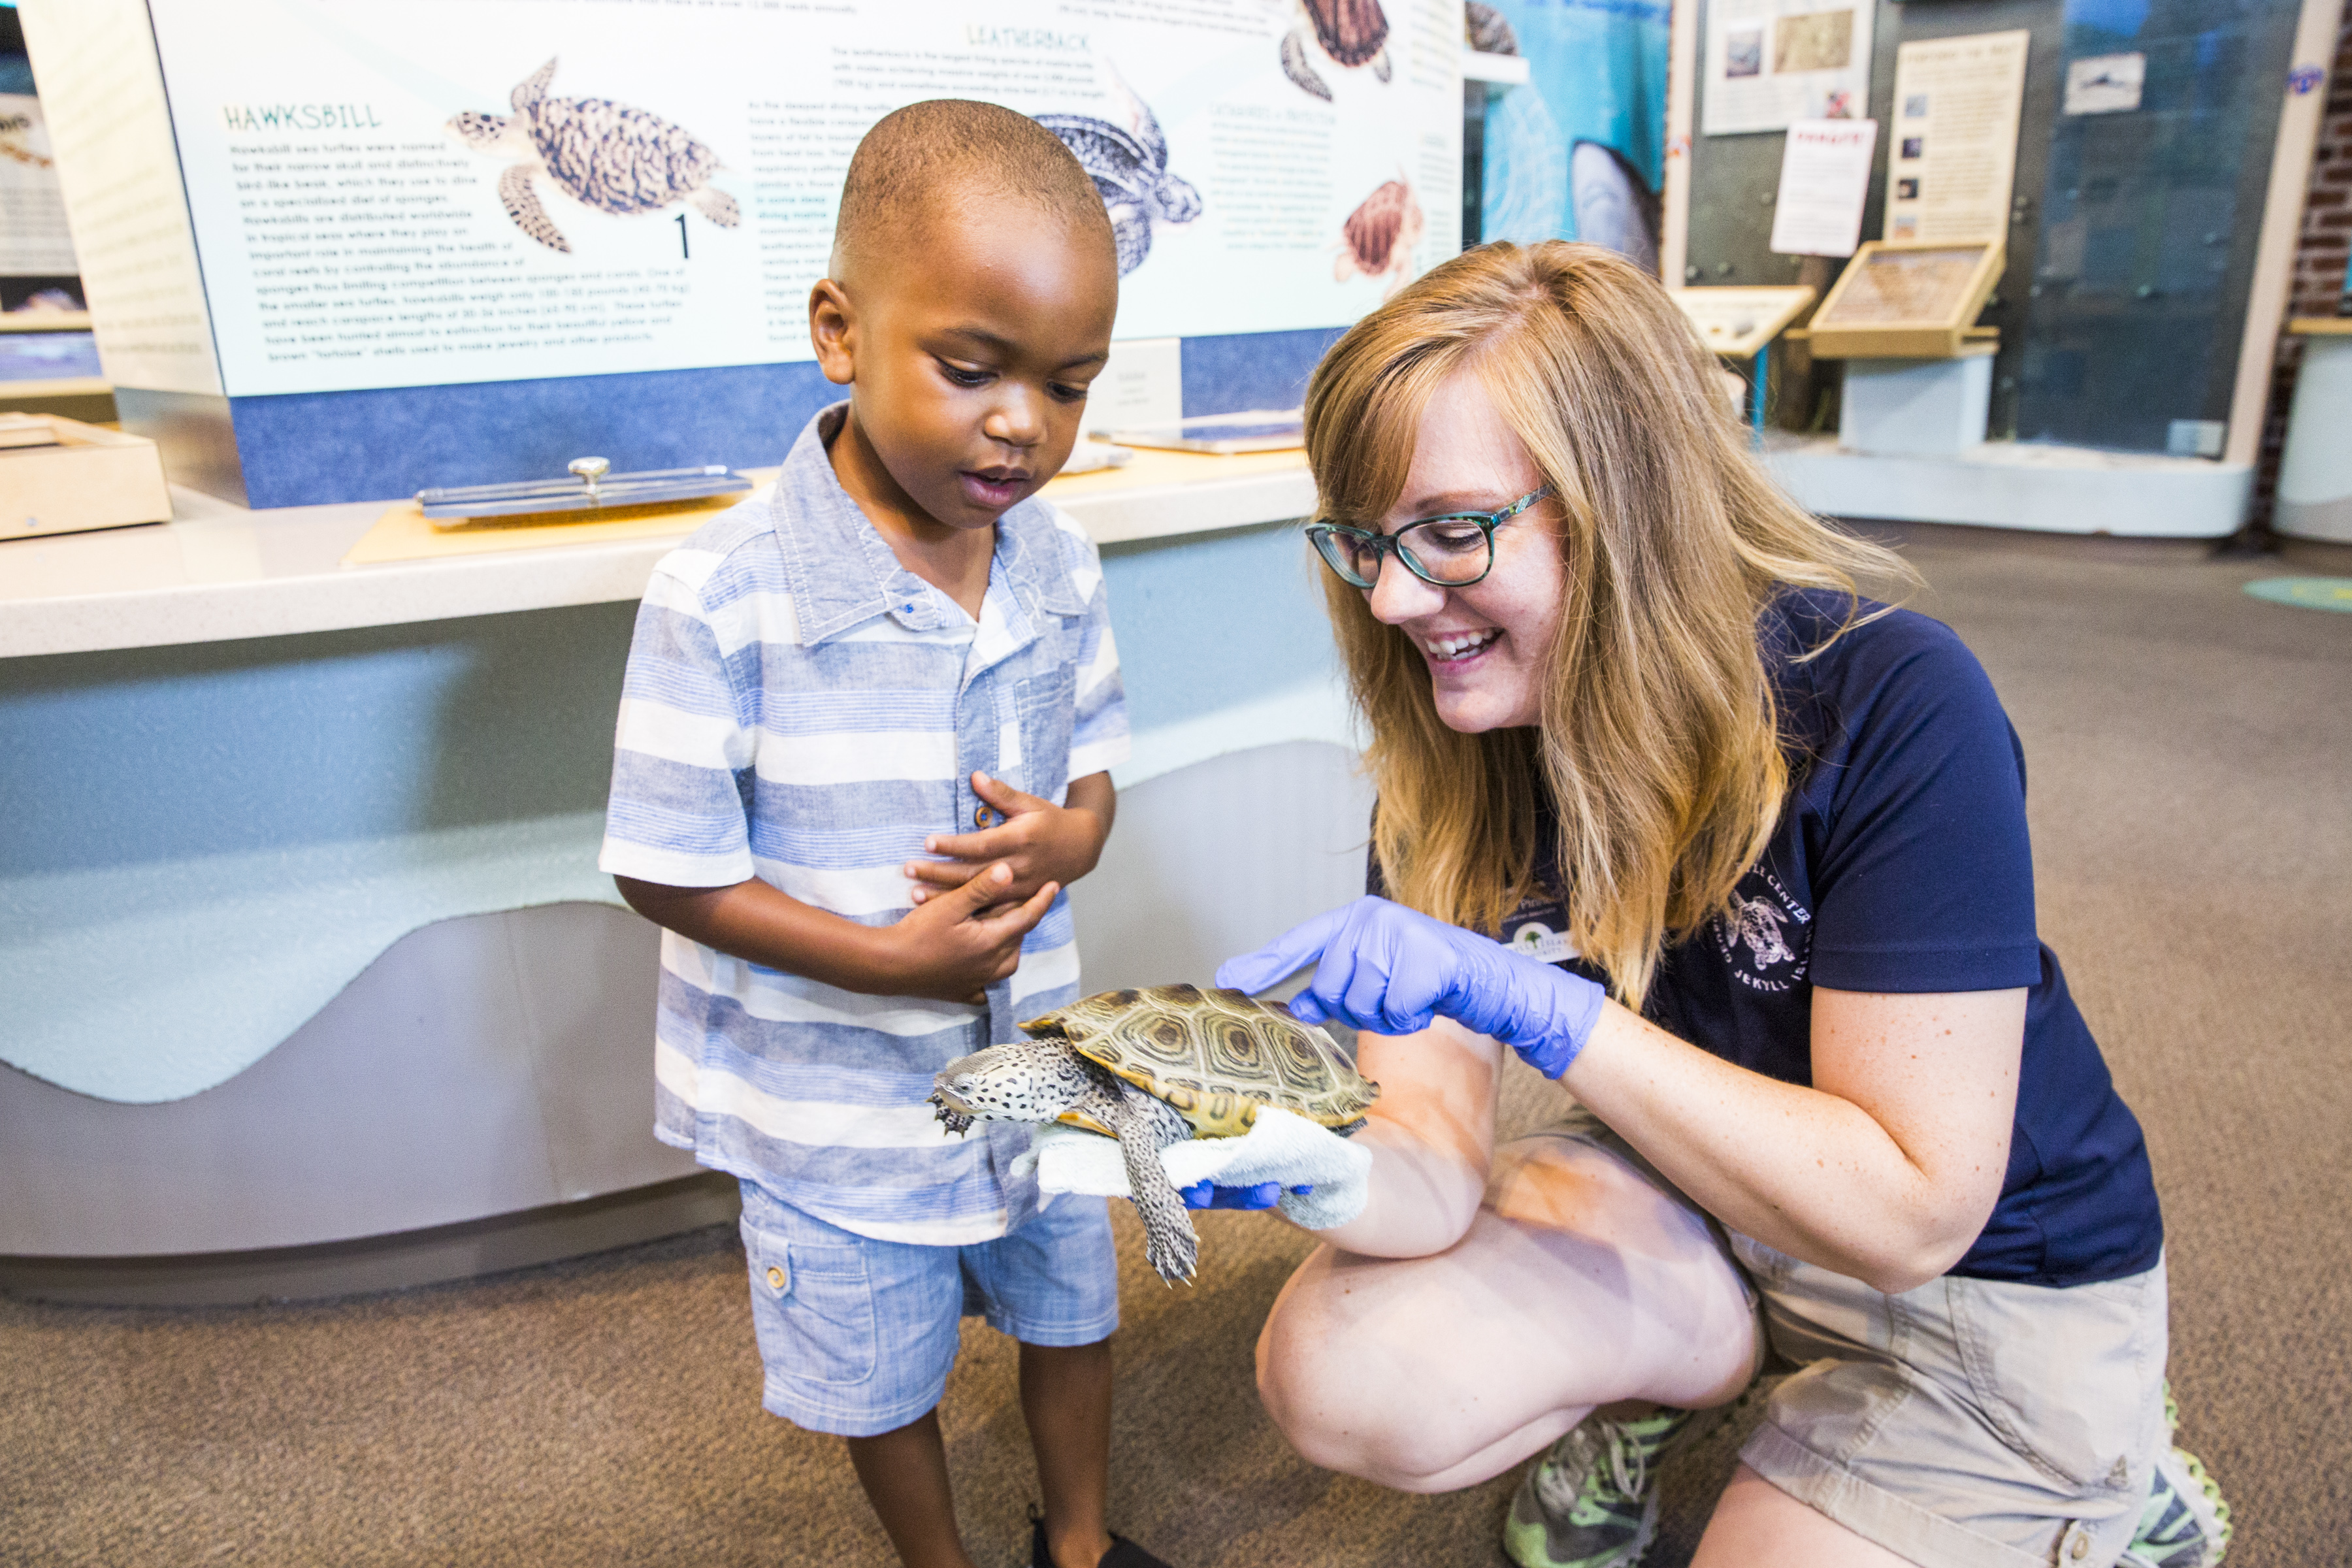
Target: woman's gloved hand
<point>1210,1196</point>
<point>1389,969</point>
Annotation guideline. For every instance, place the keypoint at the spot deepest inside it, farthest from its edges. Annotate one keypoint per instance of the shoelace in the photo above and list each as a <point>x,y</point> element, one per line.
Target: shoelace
<point>1623,1449</point>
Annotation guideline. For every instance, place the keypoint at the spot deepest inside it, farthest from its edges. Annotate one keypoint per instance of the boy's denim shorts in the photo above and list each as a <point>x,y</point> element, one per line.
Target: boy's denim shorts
<point>858,1335</point>
<point>1965,1424</point>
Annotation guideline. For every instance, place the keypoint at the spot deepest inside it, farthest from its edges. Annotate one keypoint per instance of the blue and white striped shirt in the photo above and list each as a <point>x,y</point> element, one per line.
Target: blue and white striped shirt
<point>801,709</point>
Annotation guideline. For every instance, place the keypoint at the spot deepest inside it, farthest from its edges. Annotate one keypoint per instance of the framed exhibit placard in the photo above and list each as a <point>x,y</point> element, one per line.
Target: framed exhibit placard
<point>1736,321</point>
<point>1952,154</point>
<point>1905,302</point>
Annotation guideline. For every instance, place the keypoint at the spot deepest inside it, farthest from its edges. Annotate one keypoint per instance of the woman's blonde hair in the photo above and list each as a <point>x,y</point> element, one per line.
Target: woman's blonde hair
<point>1660,737</point>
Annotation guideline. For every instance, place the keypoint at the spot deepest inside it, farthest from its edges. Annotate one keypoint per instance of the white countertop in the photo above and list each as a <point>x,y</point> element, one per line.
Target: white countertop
<point>218,572</point>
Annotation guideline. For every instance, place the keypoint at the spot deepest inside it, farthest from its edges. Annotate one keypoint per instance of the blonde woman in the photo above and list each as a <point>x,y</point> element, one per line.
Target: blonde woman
<point>1740,860</point>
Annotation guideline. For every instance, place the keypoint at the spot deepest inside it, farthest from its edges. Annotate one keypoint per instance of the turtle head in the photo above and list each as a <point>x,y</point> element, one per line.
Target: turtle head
<point>1026,1081</point>
<point>479,130</point>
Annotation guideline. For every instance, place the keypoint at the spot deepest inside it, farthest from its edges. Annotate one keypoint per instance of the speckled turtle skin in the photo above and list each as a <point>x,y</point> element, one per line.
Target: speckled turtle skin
<point>1214,1055</point>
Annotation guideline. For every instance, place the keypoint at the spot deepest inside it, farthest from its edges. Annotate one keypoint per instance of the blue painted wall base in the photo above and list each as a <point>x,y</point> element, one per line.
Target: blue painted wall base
<point>313,448</point>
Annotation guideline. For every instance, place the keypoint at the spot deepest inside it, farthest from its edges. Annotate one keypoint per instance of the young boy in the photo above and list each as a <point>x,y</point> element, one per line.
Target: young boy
<point>863,746</point>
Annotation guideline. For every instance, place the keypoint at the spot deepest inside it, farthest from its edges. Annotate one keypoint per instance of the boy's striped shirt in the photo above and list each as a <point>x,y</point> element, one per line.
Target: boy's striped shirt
<point>800,708</point>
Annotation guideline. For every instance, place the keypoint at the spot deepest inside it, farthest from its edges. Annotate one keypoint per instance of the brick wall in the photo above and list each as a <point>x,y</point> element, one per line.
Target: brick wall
<point>2320,257</point>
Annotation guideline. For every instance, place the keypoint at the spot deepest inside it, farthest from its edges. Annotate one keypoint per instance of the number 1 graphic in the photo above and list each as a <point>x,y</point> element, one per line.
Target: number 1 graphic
<point>683,253</point>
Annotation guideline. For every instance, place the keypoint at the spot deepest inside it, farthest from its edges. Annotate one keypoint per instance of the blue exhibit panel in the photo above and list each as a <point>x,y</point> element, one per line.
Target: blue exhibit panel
<point>310,448</point>
<point>206,844</point>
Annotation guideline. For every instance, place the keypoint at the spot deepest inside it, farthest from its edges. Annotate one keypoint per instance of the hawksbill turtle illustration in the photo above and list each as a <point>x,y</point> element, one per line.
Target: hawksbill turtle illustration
<point>603,155</point>
<point>1351,32</point>
<point>1129,167</point>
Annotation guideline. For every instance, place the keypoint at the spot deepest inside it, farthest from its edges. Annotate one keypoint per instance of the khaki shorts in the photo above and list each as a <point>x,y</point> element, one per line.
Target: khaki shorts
<point>1966,1424</point>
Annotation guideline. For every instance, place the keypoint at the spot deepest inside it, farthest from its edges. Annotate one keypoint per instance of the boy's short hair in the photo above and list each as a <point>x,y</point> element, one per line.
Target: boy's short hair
<point>945,152</point>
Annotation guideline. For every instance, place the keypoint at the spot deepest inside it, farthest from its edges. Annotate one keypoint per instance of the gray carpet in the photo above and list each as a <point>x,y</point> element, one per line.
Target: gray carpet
<point>2189,747</point>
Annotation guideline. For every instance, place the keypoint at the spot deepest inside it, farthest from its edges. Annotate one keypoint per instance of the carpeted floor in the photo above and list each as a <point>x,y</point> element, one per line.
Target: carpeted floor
<point>2190,749</point>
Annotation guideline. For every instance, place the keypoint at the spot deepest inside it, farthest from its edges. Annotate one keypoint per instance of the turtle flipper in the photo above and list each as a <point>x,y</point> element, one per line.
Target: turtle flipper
<point>1146,1126</point>
<point>522,205</point>
<point>532,88</point>
<point>1294,67</point>
<point>716,206</point>
<point>1380,67</point>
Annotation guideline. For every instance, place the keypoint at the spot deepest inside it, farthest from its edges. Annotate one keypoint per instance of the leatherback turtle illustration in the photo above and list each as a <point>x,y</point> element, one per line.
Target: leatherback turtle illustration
<point>603,155</point>
<point>1129,167</point>
<point>1351,32</point>
<point>1154,1068</point>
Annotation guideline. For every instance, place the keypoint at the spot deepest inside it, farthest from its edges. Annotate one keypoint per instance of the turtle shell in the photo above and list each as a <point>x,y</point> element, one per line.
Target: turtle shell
<point>1215,1055</point>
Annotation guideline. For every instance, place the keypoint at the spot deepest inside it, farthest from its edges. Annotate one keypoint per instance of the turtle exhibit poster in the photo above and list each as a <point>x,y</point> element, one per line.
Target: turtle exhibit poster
<point>1771,63</point>
<point>451,191</point>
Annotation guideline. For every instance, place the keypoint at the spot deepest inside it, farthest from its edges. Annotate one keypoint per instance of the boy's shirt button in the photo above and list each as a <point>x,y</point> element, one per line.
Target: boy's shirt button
<point>985,818</point>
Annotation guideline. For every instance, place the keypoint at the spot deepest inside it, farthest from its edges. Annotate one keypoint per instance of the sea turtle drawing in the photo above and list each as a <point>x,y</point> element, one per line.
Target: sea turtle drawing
<point>1380,237</point>
<point>1154,1068</point>
<point>601,153</point>
<point>1129,167</point>
<point>1351,33</point>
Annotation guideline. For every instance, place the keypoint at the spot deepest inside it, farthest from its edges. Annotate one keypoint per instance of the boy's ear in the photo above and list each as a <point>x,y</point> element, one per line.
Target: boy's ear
<point>833,329</point>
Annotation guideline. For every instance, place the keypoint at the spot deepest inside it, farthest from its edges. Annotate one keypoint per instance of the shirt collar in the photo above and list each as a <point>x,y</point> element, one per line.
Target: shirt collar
<point>842,572</point>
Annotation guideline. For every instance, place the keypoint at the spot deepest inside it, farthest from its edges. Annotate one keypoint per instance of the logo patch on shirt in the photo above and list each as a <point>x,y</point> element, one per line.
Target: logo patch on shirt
<point>1764,938</point>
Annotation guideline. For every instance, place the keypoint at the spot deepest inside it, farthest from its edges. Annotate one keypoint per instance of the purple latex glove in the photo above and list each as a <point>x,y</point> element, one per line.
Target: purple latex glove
<point>1209,1196</point>
<point>1389,969</point>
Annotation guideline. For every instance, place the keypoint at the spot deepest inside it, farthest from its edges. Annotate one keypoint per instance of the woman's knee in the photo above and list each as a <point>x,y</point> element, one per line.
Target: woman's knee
<point>1339,1395</point>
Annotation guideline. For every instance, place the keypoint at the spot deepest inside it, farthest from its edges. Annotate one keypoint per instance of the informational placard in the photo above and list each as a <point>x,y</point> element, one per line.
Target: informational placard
<point>1736,321</point>
<point>459,190</point>
<point>34,239</point>
<point>2105,84</point>
<point>1895,301</point>
<point>110,129</point>
<point>1953,158</point>
<point>1771,63</point>
<point>1824,181</point>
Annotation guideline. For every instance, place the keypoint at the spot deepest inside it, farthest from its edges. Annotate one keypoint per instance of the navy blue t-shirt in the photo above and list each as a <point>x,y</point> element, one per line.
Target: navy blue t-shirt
<point>1901,865</point>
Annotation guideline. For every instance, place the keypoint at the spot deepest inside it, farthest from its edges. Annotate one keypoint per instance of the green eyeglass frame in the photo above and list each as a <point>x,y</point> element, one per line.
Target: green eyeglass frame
<point>1341,545</point>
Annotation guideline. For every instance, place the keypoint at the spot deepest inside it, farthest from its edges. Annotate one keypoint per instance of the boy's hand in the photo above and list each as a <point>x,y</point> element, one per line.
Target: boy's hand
<point>1040,841</point>
<point>965,941</point>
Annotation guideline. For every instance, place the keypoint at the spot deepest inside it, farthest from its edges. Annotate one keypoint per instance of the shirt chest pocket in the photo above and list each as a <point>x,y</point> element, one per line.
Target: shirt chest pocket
<point>1042,706</point>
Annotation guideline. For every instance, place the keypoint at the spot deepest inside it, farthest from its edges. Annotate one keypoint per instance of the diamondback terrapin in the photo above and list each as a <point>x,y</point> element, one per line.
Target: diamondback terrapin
<point>603,155</point>
<point>1128,165</point>
<point>1351,32</point>
<point>1154,1068</point>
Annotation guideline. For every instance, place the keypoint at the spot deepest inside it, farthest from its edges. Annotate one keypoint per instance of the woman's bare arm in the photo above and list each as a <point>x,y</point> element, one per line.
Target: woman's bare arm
<point>1884,1170</point>
<point>1431,1134</point>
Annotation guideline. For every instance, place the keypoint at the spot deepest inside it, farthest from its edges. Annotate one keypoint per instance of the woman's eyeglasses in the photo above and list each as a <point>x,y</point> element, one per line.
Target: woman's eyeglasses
<point>1449,552</point>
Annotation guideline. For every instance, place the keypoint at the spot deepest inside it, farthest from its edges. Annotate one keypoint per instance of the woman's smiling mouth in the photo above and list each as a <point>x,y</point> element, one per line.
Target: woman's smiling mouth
<point>1455,647</point>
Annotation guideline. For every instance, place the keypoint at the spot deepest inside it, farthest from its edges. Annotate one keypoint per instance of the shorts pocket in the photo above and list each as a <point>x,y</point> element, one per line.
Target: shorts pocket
<point>813,1309</point>
<point>2061,1373</point>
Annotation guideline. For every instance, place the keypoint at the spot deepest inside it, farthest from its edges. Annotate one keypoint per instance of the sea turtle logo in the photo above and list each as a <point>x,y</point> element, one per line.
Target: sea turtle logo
<point>1757,923</point>
<point>1762,935</point>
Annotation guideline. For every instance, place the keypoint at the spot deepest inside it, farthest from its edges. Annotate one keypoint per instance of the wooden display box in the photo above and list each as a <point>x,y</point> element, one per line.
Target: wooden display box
<point>1908,300</point>
<point>60,476</point>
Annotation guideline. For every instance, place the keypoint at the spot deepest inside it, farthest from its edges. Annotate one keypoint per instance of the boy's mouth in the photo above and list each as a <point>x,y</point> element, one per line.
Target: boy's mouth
<point>995,487</point>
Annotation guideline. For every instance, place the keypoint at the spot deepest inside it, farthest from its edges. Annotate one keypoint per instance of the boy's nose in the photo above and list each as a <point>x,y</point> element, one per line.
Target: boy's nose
<point>1018,419</point>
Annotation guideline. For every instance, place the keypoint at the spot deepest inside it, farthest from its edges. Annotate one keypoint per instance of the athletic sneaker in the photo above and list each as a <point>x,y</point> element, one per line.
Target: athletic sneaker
<point>2185,1524</point>
<point>1592,1502</point>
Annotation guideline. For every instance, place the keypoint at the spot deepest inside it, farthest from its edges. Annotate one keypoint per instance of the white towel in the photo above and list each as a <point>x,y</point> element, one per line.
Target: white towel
<point>1280,1146</point>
